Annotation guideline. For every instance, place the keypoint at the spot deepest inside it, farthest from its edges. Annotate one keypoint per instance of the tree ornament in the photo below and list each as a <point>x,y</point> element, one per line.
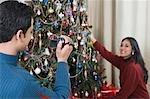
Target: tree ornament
<point>86,33</point>
<point>49,33</point>
<point>41,0</point>
<point>65,23</point>
<point>61,15</point>
<point>73,59</point>
<point>38,12</point>
<point>51,10</point>
<point>80,66</point>
<point>76,45</point>
<point>40,41</point>
<point>90,44</point>
<point>26,58</point>
<point>79,37</point>
<point>84,61</point>
<point>55,25</point>
<point>82,42</point>
<point>95,89</point>
<point>70,33</point>
<point>50,74</point>
<point>37,70</point>
<point>46,52</point>
<point>58,6</point>
<point>68,9</point>
<point>75,94</point>
<point>79,81</point>
<point>31,73</point>
<point>99,95</point>
<point>45,2</point>
<point>72,19</point>
<point>74,5</point>
<point>38,25</point>
<point>94,58</point>
<point>84,53</point>
<point>46,62</point>
<point>95,76</point>
<point>85,73</point>
<point>86,93</point>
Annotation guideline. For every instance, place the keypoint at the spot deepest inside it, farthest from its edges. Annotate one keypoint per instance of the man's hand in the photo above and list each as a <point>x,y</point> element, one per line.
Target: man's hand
<point>63,53</point>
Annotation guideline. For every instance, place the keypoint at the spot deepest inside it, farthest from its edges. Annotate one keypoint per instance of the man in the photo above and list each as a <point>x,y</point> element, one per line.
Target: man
<point>16,25</point>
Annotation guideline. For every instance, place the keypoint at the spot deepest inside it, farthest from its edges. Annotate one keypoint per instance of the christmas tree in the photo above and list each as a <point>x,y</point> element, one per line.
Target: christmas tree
<point>52,19</point>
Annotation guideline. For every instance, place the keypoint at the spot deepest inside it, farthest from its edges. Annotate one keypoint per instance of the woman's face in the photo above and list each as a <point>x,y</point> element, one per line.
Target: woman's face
<point>125,49</point>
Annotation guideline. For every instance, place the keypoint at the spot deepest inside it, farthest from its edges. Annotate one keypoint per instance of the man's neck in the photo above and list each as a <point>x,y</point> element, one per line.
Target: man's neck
<point>8,48</point>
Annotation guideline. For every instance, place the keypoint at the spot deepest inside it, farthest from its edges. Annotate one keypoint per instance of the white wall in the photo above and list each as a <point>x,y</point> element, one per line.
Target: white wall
<point>132,18</point>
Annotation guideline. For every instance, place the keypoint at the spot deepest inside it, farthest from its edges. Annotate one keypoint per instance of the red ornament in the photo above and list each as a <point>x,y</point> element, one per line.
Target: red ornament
<point>70,33</point>
<point>26,58</point>
<point>65,23</point>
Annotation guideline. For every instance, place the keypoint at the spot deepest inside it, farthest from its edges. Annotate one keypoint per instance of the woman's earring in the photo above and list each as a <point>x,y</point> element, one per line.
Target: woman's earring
<point>132,53</point>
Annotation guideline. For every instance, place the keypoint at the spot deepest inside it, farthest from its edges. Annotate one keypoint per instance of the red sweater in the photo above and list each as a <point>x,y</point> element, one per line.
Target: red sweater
<point>131,75</point>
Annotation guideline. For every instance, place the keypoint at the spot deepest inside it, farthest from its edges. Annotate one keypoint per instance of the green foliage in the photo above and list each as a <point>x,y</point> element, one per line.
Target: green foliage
<point>51,21</point>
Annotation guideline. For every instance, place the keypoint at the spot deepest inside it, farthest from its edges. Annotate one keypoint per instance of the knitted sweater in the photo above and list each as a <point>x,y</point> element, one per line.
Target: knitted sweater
<point>17,83</point>
<point>131,75</point>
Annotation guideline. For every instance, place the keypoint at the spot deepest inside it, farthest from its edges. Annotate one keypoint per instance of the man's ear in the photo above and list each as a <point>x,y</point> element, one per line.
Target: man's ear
<point>19,34</point>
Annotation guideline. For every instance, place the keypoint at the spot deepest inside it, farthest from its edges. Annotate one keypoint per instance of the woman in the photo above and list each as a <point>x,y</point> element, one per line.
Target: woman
<point>133,73</point>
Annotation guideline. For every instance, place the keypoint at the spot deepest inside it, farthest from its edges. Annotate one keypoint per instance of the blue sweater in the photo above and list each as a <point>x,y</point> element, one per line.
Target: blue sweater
<point>16,82</point>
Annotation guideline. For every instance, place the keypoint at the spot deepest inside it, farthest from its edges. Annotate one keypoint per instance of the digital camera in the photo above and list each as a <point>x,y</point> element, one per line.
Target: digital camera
<point>54,42</point>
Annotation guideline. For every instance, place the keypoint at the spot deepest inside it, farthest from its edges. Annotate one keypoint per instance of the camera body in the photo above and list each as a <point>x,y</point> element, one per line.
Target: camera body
<point>53,43</point>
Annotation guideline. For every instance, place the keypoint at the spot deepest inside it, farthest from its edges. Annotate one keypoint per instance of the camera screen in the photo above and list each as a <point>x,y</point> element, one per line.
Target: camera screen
<point>53,43</point>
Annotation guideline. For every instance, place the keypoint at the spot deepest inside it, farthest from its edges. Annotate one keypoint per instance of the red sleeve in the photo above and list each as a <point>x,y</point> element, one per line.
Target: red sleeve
<point>109,56</point>
<point>130,82</point>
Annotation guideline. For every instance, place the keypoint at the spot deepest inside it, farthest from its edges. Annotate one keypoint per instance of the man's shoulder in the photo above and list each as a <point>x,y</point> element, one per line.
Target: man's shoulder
<point>16,73</point>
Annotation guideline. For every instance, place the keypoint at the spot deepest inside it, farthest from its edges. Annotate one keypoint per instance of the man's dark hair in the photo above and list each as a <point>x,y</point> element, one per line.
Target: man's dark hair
<point>14,16</point>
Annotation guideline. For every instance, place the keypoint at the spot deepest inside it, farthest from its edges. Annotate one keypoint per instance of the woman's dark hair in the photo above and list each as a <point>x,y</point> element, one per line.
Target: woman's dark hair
<point>14,16</point>
<point>138,56</point>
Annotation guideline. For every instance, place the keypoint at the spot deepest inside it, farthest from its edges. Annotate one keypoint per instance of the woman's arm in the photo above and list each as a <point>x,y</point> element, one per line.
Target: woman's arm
<point>109,56</point>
